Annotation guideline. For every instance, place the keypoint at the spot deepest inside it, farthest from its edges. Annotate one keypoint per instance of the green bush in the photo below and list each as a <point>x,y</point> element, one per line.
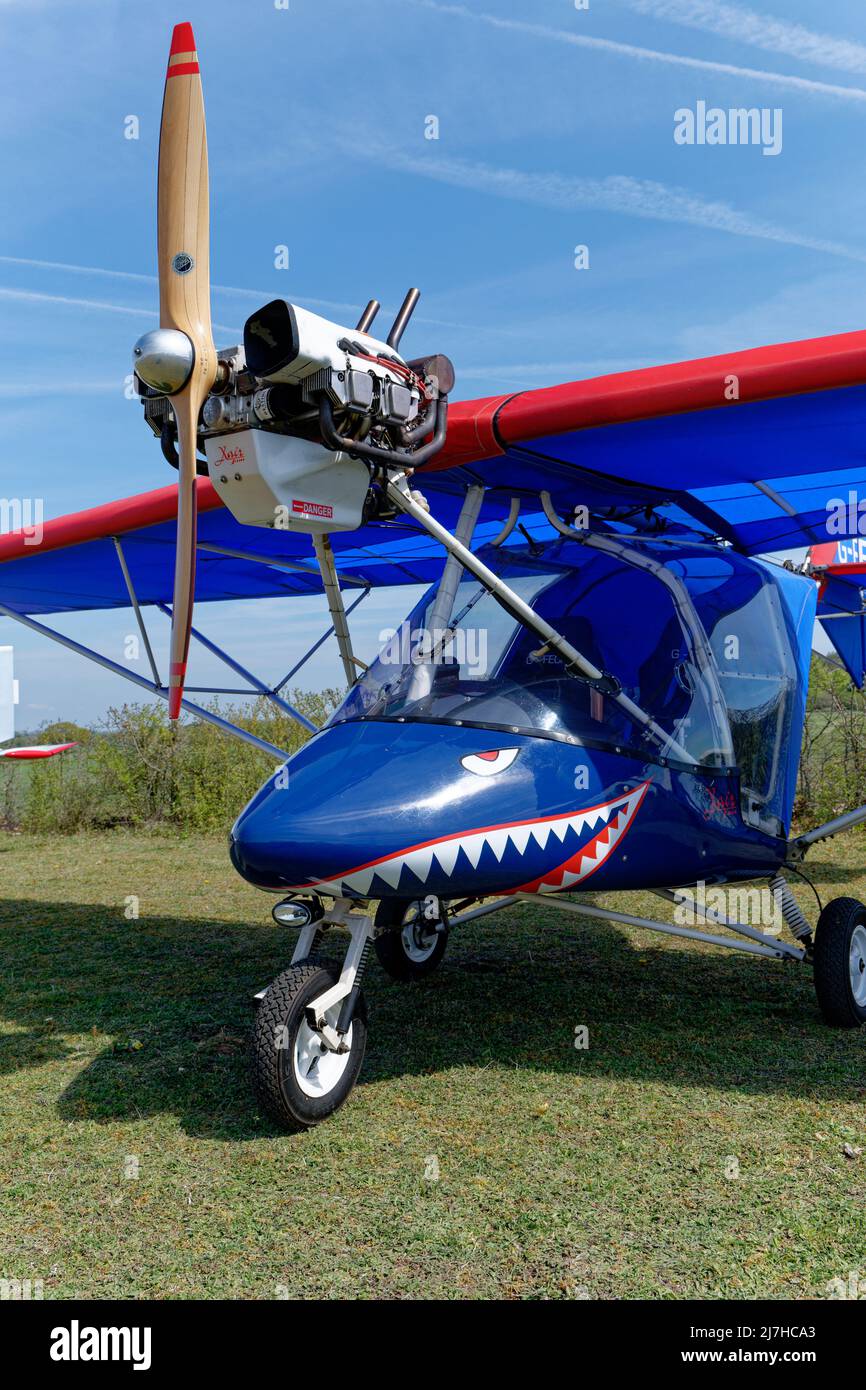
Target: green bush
<point>138,770</point>
<point>833,760</point>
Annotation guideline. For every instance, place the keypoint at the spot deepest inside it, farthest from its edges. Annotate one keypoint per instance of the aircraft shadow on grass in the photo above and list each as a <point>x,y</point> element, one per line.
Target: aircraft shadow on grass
<point>162,1008</point>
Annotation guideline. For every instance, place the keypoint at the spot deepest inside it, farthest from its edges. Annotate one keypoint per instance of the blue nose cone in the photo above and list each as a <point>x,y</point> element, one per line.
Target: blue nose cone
<point>360,793</point>
<point>386,809</point>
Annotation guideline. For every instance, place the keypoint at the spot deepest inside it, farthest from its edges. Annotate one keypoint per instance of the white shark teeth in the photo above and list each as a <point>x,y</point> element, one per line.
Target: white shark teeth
<point>520,836</point>
<point>362,879</point>
<point>390,870</point>
<point>472,847</point>
<point>446,854</point>
<point>419,861</point>
<point>498,842</point>
<point>616,815</point>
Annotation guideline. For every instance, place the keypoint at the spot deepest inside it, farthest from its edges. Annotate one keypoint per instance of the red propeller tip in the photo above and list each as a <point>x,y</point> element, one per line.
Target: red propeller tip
<point>182,39</point>
<point>177,676</point>
<point>182,58</point>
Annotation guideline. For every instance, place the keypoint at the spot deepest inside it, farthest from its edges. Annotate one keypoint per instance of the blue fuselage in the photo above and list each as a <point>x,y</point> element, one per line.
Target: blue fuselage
<point>382,808</point>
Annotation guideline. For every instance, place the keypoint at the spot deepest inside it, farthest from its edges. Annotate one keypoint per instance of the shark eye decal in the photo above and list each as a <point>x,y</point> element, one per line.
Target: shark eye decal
<point>488,764</point>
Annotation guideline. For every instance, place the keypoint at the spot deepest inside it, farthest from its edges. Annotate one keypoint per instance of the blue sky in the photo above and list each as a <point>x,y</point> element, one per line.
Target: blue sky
<point>555,129</point>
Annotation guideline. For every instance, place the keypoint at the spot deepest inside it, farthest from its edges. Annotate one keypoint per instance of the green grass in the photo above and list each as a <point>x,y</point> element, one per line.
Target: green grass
<point>563,1173</point>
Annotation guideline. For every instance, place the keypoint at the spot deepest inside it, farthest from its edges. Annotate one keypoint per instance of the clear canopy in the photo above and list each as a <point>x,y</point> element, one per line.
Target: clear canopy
<point>693,635</point>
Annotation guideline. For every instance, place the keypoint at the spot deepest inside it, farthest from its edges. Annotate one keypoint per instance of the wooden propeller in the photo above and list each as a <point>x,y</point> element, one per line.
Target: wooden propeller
<point>184,304</point>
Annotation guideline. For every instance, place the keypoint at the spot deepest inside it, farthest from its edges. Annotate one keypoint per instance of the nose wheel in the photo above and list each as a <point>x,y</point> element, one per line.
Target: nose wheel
<point>840,962</point>
<point>303,1073</point>
<point>413,937</point>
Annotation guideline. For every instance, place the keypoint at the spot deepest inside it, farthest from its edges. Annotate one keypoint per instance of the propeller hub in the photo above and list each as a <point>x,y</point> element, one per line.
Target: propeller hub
<point>163,359</point>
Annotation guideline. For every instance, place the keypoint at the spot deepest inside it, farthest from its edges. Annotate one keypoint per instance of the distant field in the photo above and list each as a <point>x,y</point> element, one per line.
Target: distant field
<point>562,1173</point>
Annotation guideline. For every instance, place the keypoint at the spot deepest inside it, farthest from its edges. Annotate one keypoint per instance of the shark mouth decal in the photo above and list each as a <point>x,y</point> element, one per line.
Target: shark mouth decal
<point>618,816</point>
<point>510,843</point>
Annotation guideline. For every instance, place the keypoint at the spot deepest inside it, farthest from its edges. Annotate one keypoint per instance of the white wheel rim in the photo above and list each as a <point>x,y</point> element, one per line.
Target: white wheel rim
<point>857,965</point>
<point>318,1070</point>
<point>419,937</point>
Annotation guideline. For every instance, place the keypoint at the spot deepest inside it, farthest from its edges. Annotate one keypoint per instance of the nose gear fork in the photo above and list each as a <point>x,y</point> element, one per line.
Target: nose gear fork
<point>347,990</point>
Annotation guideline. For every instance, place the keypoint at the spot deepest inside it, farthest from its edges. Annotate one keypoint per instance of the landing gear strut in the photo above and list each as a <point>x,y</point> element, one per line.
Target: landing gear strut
<point>310,1031</point>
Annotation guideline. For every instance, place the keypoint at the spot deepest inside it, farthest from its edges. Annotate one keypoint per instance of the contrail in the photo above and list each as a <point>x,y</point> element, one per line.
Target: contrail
<point>260,296</point>
<point>652,55</point>
<point>77,269</point>
<point>101,305</point>
<point>761,31</point>
<point>136,276</point>
<point>31,296</point>
<point>17,390</point>
<point>633,197</point>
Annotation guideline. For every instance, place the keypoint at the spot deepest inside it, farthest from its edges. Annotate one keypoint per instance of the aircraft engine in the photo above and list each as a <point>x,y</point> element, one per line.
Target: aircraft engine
<point>304,416</point>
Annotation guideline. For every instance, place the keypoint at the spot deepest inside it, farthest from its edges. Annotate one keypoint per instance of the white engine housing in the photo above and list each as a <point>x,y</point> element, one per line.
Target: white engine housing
<point>285,343</point>
<point>286,483</point>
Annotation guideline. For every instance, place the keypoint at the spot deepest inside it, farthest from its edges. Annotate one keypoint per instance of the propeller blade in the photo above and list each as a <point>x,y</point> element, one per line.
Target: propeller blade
<point>184,305</point>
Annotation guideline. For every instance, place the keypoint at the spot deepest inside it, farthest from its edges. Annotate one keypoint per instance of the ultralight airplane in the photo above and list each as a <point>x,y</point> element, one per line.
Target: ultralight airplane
<point>604,687</point>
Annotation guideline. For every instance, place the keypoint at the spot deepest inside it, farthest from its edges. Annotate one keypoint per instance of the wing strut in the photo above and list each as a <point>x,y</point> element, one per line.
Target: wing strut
<point>336,607</point>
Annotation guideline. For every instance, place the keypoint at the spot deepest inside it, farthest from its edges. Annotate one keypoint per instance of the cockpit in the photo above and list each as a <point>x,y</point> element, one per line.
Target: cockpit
<point>703,643</point>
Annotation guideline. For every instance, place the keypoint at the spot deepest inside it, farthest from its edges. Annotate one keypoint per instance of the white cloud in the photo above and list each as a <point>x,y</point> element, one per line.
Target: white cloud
<point>807,307</point>
<point>77,269</point>
<point>648,55</point>
<point>100,305</point>
<point>258,296</point>
<point>19,390</point>
<point>32,296</point>
<point>643,198</point>
<point>760,30</point>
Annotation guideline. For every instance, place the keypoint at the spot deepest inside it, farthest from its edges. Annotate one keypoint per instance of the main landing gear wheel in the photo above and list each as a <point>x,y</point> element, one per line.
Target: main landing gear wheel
<point>298,1080</point>
<point>840,962</point>
<point>412,945</point>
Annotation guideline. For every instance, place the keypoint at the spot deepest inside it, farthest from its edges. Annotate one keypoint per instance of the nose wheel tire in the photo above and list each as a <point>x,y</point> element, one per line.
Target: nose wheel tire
<point>298,1080</point>
<point>412,945</point>
<point>840,962</point>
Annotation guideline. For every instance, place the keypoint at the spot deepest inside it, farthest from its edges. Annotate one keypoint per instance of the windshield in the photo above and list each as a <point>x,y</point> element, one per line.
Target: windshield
<point>478,665</point>
<point>754,651</point>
